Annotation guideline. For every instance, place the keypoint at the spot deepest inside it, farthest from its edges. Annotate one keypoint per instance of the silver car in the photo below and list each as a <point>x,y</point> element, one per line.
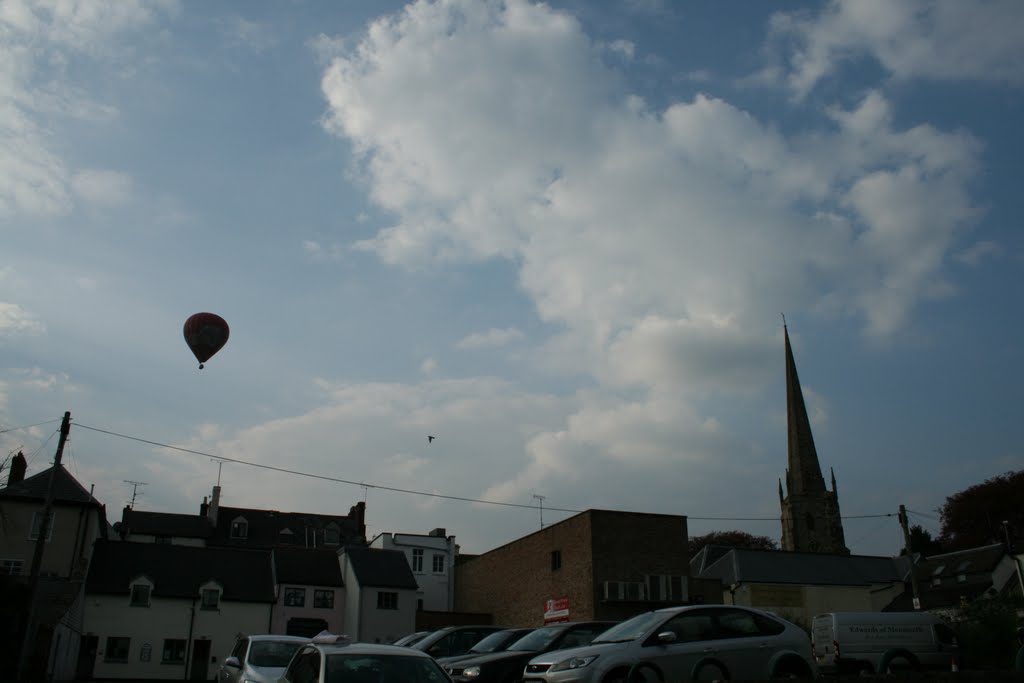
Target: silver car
<point>259,659</point>
<point>332,659</point>
<point>697,642</point>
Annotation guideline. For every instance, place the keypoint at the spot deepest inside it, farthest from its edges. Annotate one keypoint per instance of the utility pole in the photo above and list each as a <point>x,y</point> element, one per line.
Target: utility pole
<point>910,554</point>
<point>28,641</point>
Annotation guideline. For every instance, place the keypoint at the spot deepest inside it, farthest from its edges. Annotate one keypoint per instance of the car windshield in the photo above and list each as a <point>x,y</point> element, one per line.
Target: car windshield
<point>494,642</point>
<point>538,640</point>
<point>353,668</point>
<point>631,629</point>
<point>272,653</point>
<point>412,638</point>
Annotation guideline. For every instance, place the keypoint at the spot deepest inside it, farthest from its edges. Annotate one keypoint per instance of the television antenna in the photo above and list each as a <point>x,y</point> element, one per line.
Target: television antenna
<point>135,490</point>
<point>540,500</point>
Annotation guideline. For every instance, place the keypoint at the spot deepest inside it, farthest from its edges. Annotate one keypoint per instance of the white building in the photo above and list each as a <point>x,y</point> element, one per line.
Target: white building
<point>432,560</point>
<point>380,591</point>
<point>163,611</point>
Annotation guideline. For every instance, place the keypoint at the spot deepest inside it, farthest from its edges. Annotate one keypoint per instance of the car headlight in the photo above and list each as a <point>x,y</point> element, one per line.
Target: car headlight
<point>471,671</point>
<point>574,663</point>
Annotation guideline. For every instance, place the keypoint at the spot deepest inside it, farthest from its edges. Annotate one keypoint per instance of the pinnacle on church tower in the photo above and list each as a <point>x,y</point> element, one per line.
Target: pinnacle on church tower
<point>810,513</point>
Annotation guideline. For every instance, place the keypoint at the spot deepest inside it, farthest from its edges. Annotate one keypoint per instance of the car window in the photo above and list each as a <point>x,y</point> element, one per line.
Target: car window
<point>734,623</point>
<point>239,650</point>
<point>305,668</point>
<point>691,627</point>
<point>578,636</point>
<point>768,626</point>
<point>537,641</point>
<point>273,653</point>
<point>342,668</point>
<point>631,629</point>
<point>442,647</point>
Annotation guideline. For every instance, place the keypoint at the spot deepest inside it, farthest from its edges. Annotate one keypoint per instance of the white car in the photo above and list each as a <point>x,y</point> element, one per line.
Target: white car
<point>696,642</point>
<point>333,659</point>
<point>259,659</point>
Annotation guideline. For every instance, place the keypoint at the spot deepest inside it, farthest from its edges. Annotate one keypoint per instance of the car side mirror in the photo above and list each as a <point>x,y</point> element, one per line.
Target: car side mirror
<point>667,637</point>
<point>233,663</point>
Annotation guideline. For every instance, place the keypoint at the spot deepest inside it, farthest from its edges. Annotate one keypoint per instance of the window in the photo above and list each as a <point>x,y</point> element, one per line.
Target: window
<point>117,649</point>
<point>140,595</point>
<point>166,540</point>
<point>438,564</point>
<point>691,627</point>
<point>387,600</point>
<point>332,534</point>
<point>37,522</point>
<point>174,651</point>
<point>239,528</point>
<point>294,597</point>
<point>211,598</point>
<point>286,536</point>
<point>666,588</point>
<point>419,604</point>
<point>737,624</point>
<point>810,521</point>
<point>417,559</point>
<point>305,668</point>
<point>323,599</point>
<point>556,560</point>
<point>624,590</point>
<point>12,567</point>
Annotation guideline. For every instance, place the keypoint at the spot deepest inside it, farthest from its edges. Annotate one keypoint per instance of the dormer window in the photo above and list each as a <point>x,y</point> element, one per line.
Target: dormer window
<point>140,595</point>
<point>239,528</point>
<point>210,594</point>
<point>286,536</point>
<point>332,534</point>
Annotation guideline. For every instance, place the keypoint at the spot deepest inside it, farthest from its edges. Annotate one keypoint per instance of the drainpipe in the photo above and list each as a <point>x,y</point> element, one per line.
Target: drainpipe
<point>188,643</point>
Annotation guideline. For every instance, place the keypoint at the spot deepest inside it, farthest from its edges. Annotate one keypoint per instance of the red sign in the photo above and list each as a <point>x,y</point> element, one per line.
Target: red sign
<point>556,609</point>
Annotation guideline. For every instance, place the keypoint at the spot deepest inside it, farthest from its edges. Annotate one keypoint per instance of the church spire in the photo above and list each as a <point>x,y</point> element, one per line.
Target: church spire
<point>804,469</point>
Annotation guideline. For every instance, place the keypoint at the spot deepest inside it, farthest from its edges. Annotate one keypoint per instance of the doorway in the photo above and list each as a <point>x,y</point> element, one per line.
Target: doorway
<point>200,660</point>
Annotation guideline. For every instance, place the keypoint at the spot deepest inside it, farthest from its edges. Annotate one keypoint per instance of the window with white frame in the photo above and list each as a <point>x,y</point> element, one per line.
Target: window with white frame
<point>12,567</point>
<point>666,587</point>
<point>239,528</point>
<point>294,597</point>
<point>624,590</point>
<point>37,523</point>
<point>439,564</point>
<point>211,598</point>
<point>140,594</point>
<point>117,649</point>
<point>174,651</point>
<point>417,559</point>
<point>323,599</point>
<point>387,600</point>
<point>332,534</point>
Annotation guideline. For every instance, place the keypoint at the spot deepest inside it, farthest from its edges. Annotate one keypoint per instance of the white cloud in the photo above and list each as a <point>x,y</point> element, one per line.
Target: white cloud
<point>108,188</point>
<point>490,338</point>
<point>16,320</point>
<point>932,39</point>
<point>977,252</point>
<point>428,366</point>
<point>625,48</point>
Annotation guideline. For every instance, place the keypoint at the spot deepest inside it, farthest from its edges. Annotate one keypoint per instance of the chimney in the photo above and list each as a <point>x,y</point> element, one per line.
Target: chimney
<point>214,505</point>
<point>18,467</point>
<point>203,507</point>
<point>440,532</point>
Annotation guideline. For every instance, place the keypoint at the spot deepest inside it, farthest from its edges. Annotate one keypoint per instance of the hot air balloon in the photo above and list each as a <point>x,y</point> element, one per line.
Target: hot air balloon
<point>206,334</point>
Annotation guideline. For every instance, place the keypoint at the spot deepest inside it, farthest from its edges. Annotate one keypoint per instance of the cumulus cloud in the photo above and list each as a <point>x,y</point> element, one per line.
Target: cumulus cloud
<point>491,338</point>
<point>38,41</point>
<point>16,320</point>
<point>933,39</point>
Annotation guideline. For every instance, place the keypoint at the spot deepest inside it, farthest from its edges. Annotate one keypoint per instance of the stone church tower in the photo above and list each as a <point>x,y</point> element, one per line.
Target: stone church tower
<point>810,513</point>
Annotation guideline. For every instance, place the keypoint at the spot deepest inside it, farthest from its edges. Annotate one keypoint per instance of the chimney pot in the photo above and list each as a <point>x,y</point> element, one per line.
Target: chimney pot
<point>18,467</point>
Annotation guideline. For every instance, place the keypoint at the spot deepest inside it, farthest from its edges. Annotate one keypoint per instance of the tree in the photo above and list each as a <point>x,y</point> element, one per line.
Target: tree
<point>921,541</point>
<point>733,539</point>
<point>975,516</point>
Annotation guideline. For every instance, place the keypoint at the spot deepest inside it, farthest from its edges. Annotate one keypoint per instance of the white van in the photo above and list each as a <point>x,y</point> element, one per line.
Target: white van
<point>880,642</point>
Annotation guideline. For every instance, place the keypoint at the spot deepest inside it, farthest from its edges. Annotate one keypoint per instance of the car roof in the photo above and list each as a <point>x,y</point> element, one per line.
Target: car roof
<point>283,639</point>
<point>369,649</point>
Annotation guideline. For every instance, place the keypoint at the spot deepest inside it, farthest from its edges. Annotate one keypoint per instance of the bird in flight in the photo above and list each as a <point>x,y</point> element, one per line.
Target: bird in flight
<point>429,438</point>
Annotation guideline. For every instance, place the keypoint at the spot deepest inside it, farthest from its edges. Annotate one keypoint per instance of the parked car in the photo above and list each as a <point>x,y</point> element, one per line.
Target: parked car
<point>259,659</point>
<point>452,641</point>
<point>499,641</point>
<point>507,666</point>
<point>333,659</point>
<point>695,642</point>
<point>880,642</point>
<point>412,638</point>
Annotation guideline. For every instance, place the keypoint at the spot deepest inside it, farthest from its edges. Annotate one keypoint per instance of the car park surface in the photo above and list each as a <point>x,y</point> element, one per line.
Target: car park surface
<point>259,659</point>
<point>695,642</point>
<point>332,659</point>
<point>507,666</point>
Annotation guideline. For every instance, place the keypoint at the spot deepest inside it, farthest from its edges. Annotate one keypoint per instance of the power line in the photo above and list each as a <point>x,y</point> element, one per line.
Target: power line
<point>13,429</point>
<point>395,489</point>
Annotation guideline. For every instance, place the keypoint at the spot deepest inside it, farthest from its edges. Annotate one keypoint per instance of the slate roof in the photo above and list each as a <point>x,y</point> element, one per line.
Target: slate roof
<point>164,524</point>
<point>265,526</point>
<point>307,567</point>
<point>178,571</point>
<point>975,565</point>
<point>740,565</point>
<point>66,489</point>
<point>381,568</point>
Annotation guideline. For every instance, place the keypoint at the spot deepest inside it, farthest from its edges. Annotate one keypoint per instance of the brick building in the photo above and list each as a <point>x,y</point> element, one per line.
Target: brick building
<point>597,565</point>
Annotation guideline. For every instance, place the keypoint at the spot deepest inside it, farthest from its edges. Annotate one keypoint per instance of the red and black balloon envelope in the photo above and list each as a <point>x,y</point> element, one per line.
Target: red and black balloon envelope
<point>206,334</point>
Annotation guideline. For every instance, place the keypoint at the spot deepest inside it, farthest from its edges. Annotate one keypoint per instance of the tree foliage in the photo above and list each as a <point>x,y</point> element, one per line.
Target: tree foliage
<point>734,539</point>
<point>974,517</point>
<point>921,541</point>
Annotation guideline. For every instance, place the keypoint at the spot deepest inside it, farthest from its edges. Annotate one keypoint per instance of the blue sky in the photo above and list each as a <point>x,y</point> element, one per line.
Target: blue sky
<point>558,237</point>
